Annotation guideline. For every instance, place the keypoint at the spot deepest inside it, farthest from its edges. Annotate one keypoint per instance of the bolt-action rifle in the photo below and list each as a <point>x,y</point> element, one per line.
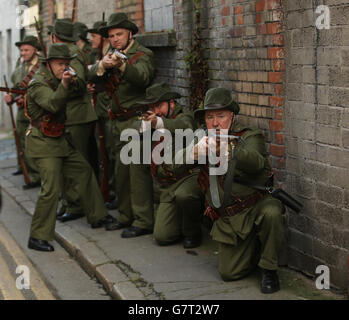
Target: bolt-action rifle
<point>18,146</point>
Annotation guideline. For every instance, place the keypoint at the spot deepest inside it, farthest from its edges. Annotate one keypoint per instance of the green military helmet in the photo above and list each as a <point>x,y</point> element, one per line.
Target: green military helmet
<point>215,99</point>
<point>118,20</point>
<point>64,30</point>
<point>159,92</point>
<point>59,51</point>
<point>81,31</point>
<point>96,26</point>
<point>30,40</point>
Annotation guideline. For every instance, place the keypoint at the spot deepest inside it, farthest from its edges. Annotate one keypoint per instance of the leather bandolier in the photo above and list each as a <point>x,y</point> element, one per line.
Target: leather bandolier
<point>171,178</point>
<point>238,205</point>
<point>122,114</point>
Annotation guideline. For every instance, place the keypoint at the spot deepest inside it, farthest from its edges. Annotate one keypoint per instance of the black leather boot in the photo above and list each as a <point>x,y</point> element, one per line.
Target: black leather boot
<point>270,281</point>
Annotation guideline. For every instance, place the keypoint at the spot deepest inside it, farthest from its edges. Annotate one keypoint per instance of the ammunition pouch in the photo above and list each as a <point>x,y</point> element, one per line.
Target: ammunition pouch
<point>49,126</point>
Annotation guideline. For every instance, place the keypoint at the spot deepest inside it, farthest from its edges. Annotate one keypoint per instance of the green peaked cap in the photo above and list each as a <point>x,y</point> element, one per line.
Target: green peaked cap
<point>216,99</point>
<point>30,40</point>
<point>64,30</point>
<point>159,92</point>
<point>118,20</point>
<point>96,26</point>
<point>59,51</point>
<point>80,30</point>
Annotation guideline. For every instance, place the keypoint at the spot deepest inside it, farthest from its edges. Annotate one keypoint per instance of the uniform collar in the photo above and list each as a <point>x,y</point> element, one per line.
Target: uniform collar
<point>238,127</point>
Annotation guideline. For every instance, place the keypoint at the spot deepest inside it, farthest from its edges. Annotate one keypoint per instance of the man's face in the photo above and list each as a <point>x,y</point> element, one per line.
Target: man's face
<point>119,38</point>
<point>58,66</point>
<point>161,108</point>
<point>219,119</point>
<point>27,52</point>
<point>96,40</point>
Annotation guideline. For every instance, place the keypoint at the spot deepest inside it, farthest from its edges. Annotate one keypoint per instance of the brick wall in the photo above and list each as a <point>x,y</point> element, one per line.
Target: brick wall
<point>317,143</point>
<point>134,10</point>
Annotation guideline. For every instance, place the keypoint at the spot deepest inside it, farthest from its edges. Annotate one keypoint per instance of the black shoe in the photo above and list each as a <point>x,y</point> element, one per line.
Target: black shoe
<point>69,217</point>
<point>31,185</point>
<point>107,220</point>
<point>40,245</point>
<point>270,281</point>
<point>61,211</point>
<point>112,205</point>
<point>191,242</point>
<point>133,232</point>
<point>17,173</point>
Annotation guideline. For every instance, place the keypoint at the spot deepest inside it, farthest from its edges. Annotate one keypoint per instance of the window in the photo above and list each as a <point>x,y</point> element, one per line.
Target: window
<point>158,15</point>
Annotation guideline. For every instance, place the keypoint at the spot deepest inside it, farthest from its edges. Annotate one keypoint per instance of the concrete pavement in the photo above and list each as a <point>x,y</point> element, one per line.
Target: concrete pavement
<point>140,269</point>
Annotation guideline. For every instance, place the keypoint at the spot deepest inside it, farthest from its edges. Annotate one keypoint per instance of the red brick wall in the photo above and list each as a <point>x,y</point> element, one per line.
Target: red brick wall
<point>134,10</point>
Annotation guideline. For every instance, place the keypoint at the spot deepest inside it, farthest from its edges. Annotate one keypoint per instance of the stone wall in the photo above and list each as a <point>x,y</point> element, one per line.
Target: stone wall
<point>317,136</point>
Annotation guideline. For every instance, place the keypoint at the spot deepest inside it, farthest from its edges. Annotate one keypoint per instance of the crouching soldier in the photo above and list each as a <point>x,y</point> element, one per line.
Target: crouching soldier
<point>248,224</point>
<point>179,212</point>
<point>48,94</point>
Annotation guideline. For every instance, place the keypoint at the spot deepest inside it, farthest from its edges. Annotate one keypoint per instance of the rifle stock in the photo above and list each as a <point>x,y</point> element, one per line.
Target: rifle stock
<point>74,11</point>
<point>18,146</point>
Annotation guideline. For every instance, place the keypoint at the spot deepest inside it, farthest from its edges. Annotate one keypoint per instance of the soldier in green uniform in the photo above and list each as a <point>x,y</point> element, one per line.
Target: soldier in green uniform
<point>126,81</point>
<point>100,47</point>
<point>248,224</point>
<point>80,114</point>
<point>179,212</point>
<point>81,32</point>
<point>50,145</point>
<point>26,67</point>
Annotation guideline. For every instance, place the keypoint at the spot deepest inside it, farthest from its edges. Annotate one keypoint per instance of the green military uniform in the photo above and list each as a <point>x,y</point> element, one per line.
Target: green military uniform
<point>251,236</point>
<point>103,101</point>
<point>81,31</point>
<point>80,113</point>
<point>22,122</point>
<point>180,207</point>
<point>135,78</point>
<point>56,156</point>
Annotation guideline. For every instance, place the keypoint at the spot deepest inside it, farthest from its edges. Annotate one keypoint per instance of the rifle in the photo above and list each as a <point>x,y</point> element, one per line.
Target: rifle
<point>41,42</point>
<point>18,146</point>
<point>105,161</point>
<point>74,11</point>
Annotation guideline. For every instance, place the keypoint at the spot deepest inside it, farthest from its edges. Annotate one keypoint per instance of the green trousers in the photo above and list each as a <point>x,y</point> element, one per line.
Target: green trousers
<point>261,247</point>
<point>179,212</point>
<point>80,139</point>
<point>73,167</point>
<point>21,127</point>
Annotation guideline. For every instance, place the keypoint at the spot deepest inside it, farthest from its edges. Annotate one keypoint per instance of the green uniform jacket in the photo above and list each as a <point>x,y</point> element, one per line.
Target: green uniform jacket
<point>181,118</point>
<point>17,76</point>
<point>42,99</point>
<point>134,80</point>
<point>87,50</point>
<point>252,166</point>
<point>79,107</point>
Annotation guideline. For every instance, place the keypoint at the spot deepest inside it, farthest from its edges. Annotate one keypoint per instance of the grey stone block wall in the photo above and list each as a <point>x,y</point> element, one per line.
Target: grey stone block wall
<point>316,137</point>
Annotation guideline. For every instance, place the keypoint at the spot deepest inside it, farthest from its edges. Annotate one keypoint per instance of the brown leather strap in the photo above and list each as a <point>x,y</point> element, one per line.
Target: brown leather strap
<point>135,57</point>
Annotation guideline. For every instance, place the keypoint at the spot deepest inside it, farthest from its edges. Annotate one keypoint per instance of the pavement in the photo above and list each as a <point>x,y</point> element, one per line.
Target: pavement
<point>139,269</point>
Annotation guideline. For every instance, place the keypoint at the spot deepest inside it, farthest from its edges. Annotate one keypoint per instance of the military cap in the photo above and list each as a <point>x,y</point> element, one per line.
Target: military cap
<point>216,99</point>
<point>50,27</point>
<point>159,92</point>
<point>58,51</point>
<point>118,20</point>
<point>96,26</point>
<point>80,30</point>
<point>30,40</point>
<point>64,30</point>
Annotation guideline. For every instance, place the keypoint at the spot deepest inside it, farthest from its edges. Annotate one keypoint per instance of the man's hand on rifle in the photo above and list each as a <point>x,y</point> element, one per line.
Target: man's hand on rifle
<point>8,98</point>
<point>151,116</point>
<point>111,61</point>
<point>19,101</point>
<point>67,79</point>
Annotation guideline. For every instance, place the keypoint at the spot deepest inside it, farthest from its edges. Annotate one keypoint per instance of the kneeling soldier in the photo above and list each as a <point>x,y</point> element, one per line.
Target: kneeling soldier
<point>248,224</point>
<point>48,94</point>
<point>179,213</point>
